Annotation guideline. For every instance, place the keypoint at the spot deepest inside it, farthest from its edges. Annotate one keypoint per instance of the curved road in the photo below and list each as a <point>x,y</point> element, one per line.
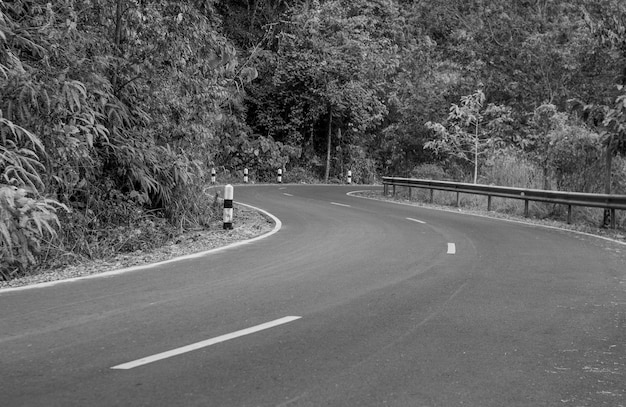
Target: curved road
<point>354,302</point>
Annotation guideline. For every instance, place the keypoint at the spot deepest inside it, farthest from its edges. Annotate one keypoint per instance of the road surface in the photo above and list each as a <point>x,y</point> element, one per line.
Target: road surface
<point>353,302</point>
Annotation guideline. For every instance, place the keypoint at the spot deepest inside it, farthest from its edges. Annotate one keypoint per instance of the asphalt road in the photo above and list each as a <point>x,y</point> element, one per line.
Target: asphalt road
<point>390,305</point>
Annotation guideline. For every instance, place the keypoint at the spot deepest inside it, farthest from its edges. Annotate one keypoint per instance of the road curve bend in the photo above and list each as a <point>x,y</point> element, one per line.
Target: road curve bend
<point>353,302</point>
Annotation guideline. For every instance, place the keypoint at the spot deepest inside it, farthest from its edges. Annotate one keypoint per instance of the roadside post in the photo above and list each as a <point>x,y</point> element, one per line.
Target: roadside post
<point>349,177</point>
<point>245,175</point>
<point>212,175</point>
<point>228,207</point>
<point>280,176</point>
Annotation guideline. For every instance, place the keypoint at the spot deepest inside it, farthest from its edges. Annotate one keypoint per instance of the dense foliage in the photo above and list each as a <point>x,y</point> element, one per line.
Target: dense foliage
<point>112,112</point>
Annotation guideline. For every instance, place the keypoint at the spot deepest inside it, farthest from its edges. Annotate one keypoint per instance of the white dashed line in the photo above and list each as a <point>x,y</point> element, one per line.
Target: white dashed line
<point>340,204</point>
<point>286,194</point>
<point>204,344</point>
<point>416,220</point>
<point>451,248</point>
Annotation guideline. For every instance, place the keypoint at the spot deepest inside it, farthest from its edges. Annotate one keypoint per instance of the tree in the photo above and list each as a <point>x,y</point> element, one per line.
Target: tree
<point>125,99</point>
<point>603,106</point>
<point>471,131</point>
<point>327,75</point>
<point>614,135</point>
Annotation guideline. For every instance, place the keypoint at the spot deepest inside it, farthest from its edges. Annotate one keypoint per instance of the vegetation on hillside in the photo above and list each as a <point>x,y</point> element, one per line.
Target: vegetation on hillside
<point>112,113</point>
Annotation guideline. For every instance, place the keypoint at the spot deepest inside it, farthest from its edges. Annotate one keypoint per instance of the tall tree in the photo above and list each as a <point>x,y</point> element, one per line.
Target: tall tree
<point>329,71</point>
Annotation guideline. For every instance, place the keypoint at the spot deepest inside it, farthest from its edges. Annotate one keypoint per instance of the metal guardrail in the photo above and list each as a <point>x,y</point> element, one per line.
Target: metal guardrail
<point>611,202</point>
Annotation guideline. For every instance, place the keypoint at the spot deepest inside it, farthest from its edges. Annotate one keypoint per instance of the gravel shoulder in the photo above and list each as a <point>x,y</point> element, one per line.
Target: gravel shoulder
<point>248,224</point>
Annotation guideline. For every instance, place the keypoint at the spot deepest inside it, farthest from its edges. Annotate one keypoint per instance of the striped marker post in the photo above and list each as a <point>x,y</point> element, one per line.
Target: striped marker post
<point>280,176</point>
<point>212,175</point>
<point>245,175</point>
<point>349,177</point>
<point>228,207</point>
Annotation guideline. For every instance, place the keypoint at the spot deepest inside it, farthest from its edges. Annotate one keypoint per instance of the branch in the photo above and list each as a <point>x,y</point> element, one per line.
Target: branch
<point>123,85</point>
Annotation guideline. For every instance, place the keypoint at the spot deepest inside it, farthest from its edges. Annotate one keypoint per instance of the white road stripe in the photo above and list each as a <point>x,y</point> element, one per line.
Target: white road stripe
<point>416,220</point>
<point>204,344</point>
<point>451,248</point>
<point>340,204</point>
<point>286,194</point>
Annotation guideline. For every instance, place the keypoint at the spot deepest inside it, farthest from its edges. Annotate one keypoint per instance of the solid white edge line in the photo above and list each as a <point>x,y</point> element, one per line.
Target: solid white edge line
<point>451,248</point>
<point>460,212</point>
<point>416,220</point>
<point>277,226</point>
<point>204,344</point>
<point>340,204</point>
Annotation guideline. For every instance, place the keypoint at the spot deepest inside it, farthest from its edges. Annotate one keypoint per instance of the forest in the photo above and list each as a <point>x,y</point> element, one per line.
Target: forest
<point>114,112</point>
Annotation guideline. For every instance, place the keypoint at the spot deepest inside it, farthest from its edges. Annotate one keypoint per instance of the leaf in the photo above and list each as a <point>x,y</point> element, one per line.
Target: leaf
<point>6,236</point>
<point>249,74</point>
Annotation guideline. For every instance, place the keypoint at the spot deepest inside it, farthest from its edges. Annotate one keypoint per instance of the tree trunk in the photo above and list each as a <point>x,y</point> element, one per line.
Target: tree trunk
<point>476,155</point>
<point>609,164</point>
<point>328,143</point>
<point>118,23</point>
<point>119,11</point>
<point>607,178</point>
<point>340,152</point>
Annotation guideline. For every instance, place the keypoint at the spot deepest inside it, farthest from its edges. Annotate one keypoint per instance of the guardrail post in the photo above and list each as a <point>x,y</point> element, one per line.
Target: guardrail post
<point>458,199</point>
<point>525,208</point>
<point>432,195</point>
<point>385,190</point>
<point>228,207</point>
<point>488,203</point>
<point>410,193</point>
<point>613,224</point>
<point>394,190</point>
<point>569,214</point>
<point>245,175</point>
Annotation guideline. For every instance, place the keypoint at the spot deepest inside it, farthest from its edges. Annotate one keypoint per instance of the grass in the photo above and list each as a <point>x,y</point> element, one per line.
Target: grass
<point>513,171</point>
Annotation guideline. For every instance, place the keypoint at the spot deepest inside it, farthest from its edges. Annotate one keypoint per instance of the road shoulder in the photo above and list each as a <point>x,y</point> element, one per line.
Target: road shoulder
<point>249,223</point>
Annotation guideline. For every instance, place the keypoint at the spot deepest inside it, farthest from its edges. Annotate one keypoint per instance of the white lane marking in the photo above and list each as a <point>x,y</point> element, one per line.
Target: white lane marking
<point>416,220</point>
<point>451,248</point>
<point>340,204</point>
<point>286,194</point>
<point>460,212</point>
<point>204,344</point>
<point>281,188</point>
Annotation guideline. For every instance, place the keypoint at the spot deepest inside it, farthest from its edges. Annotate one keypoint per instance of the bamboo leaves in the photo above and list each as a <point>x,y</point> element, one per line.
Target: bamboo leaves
<point>26,218</point>
<point>25,223</point>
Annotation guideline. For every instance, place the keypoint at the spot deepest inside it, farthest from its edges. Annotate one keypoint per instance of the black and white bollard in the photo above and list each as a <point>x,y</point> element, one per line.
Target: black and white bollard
<point>280,176</point>
<point>349,177</point>
<point>245,175</point>
<point>212,175</point>
<point>228,207</point>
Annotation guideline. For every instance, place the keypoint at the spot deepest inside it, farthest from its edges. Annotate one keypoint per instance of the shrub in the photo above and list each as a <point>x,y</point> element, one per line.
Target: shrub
<point>26,218</point>
<point>429,171</point>
<point>25,222</point>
